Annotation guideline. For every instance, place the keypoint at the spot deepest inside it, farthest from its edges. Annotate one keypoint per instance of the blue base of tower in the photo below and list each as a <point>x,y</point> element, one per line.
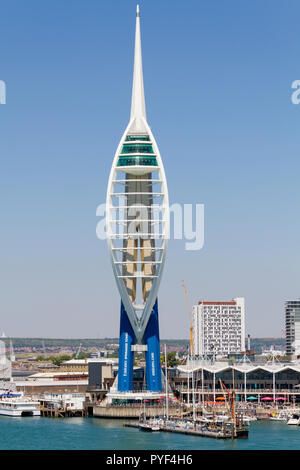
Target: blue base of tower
<point>126,356</point>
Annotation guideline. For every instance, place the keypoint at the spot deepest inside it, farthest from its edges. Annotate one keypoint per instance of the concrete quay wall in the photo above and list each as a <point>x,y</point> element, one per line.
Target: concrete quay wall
<point>128,412</point>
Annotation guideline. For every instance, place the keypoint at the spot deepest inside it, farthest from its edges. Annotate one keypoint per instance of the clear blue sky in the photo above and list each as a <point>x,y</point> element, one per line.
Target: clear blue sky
<point>218,77</point>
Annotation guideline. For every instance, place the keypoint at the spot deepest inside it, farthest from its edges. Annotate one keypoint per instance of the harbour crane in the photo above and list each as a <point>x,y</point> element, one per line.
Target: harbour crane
<point>190,318</point>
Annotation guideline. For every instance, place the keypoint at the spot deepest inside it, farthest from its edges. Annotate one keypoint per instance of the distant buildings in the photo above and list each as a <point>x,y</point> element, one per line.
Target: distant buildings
<point>292,326</point>
<point>76,375</point>
<point>5,364</point>
<point>98,354</point>
<point>219,327</point>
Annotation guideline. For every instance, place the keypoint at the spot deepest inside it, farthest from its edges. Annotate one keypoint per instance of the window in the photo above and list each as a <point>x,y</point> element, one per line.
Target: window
<point>137,148</point>
<point>131,138</point>
<point>137,160</point>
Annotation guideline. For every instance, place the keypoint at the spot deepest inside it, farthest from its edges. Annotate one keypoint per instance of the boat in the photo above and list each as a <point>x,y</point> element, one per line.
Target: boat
<point>16,404</point>
<point>149,427</point>
<point>220,419</point>
<point>248,418</point>
<point>294,420</point>
<point>282,416</point>
<point>242,433</point>
<point>204,420</point>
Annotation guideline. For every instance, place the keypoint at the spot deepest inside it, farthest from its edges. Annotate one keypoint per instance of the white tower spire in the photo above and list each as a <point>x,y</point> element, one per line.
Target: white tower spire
<point>138,107</point>
<point>137,183</point>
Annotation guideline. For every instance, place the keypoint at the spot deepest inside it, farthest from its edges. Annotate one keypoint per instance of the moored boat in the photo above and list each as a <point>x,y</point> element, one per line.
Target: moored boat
<point>294,420</point>
<point>149,427</point>
<point>15,404</point>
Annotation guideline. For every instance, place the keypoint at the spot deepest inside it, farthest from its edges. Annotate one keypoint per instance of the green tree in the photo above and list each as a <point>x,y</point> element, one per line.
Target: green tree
<point>171,359</point>
<point>57,360</point>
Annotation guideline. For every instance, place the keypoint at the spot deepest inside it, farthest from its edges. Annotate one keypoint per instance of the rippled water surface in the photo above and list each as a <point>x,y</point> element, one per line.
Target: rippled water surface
<point>94,433</point>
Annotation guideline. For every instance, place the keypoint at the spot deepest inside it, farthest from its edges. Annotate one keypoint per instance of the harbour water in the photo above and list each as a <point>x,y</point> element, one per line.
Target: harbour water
<point>96,434</point>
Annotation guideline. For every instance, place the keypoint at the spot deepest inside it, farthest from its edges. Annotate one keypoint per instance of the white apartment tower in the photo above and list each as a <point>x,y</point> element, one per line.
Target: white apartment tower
<point>219,327</point>
<point>292,325</point>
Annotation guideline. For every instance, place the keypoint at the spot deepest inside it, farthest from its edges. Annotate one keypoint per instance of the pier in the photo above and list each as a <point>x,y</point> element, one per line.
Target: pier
<point>62,405</point>
<point>55,412</point>
<point>217,433</point>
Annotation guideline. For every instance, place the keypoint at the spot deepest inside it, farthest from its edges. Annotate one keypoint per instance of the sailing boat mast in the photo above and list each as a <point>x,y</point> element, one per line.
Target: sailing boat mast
<point>193,392</point>
<point>166,379</point>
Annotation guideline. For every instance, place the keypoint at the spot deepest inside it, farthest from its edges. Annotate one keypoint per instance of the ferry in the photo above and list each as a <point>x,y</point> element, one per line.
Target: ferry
<point>15,404</point>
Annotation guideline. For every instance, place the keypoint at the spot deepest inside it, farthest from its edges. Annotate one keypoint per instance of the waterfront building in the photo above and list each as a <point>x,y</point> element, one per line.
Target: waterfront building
<point>72,401</point>
<point>268,381</point>
<point>292,327</point>
<point>77,365</point>
<point>137,222</point>
<point>52,382</point>
<point>219,327</point>
<point>72,376</point>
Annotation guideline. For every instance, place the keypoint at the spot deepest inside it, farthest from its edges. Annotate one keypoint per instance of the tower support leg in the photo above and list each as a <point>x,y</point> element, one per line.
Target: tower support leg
<point>151,338</point>
<point>126,356</point>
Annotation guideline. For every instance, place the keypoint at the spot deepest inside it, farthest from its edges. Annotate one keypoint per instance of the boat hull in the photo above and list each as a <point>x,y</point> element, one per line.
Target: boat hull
<point>19,413</point>
<point>145,427</point>
<point>242,433</point>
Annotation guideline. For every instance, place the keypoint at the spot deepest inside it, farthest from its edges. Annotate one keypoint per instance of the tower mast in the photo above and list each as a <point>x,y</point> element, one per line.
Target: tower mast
<point>138,106</point>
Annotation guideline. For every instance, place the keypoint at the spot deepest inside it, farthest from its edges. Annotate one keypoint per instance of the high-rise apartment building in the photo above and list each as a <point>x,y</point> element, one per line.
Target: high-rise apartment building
<point>219,327</point>
<point>292,326</point>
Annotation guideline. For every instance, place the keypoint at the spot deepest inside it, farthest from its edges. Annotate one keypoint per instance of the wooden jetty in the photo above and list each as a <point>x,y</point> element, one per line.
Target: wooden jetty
<point>60,412</point>
<point>217,433</point>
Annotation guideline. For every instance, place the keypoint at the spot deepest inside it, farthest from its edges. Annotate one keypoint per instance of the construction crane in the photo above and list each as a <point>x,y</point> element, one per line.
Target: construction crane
<point>12,354</point>
<point>283,331</point>
<point>78,352</point>
<point>190,318</point>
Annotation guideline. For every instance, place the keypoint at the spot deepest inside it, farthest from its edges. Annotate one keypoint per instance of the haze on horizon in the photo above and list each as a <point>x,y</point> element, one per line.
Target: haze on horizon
<point>218,95</point>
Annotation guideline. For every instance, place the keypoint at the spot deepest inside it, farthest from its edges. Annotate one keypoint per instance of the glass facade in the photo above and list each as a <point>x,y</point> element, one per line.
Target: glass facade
<point>141,160</point>
<point>137,148</point>
<point>140,154</point>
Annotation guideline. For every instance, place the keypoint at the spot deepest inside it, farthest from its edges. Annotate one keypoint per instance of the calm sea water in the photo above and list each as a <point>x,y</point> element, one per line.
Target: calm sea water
<point>93,433</point>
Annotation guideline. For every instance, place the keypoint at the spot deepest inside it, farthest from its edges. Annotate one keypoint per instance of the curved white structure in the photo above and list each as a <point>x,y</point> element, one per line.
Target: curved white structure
<point>137,215</point>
